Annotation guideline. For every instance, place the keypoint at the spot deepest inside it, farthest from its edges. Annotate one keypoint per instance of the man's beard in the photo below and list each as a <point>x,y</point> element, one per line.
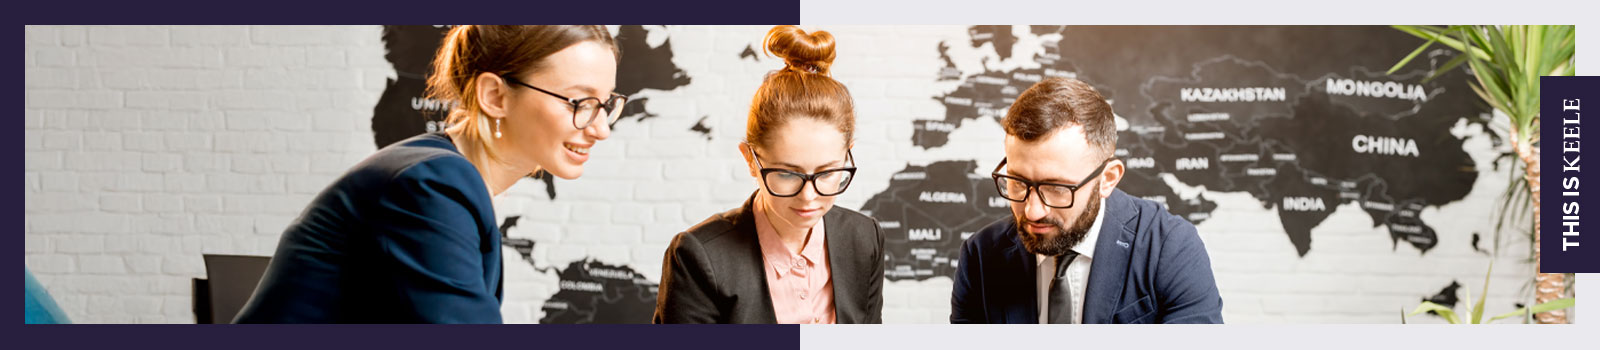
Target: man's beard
<point>1063,239</point>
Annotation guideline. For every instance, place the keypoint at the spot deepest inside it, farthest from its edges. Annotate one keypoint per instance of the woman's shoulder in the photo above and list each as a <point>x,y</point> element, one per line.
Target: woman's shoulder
<point>845,217</point>
<point>717,228</point>
<point>427,155</point>
<point>419,149</point>
<point>424,161</point>
<point>863,230</point>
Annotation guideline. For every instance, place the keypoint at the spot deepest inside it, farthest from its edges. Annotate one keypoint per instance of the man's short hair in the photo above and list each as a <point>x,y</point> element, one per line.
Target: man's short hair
<point>1057,103</point>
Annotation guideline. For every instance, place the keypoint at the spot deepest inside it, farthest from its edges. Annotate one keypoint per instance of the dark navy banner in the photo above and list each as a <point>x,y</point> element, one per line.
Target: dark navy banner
<point>287,337</point>
<point>391,12</point>
<point>1562,246</point>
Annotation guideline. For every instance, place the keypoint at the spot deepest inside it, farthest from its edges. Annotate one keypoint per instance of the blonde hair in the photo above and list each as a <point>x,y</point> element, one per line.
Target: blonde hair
<point>471,50</point>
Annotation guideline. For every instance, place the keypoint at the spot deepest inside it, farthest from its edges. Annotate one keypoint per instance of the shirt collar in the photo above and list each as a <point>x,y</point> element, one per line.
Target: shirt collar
<point>775,254</point>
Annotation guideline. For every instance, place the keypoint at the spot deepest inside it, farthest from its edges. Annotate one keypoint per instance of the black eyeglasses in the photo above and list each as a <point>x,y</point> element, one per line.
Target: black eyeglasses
<point>1054,195</point>
<point>785,183</point>
<point>589,106</point>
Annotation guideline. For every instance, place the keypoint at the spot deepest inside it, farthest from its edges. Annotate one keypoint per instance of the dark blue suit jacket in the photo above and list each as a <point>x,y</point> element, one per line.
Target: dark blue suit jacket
<point>406,236</point>
<point>1149,267</point>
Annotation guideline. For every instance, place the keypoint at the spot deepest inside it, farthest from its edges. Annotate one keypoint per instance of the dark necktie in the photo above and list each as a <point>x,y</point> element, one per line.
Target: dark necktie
<point>1061,291</point>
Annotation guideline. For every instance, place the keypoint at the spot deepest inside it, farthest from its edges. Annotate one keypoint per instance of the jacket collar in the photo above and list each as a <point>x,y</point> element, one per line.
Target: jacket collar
<point>1111,254</point>
<point>840,252</point>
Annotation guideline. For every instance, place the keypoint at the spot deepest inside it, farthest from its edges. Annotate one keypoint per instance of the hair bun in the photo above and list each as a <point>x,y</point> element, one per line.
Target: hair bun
<point>801,51</point>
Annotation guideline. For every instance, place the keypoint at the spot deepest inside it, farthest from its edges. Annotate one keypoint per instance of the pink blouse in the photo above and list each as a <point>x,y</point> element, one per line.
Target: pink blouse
<point>801,287</point>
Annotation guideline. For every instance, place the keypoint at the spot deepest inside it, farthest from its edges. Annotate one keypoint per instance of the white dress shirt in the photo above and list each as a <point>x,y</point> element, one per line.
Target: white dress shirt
<point>1077,272</point>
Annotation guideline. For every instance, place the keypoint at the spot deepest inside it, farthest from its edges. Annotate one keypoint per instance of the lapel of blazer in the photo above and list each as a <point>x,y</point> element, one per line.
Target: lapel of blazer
<point>1018,257</point>
<point>744,223</point>
<point>1109,271</point>
<point>842,269</point>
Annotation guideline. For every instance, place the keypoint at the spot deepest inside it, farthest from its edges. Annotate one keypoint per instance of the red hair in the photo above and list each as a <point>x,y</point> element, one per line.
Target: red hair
<point>802,89</point>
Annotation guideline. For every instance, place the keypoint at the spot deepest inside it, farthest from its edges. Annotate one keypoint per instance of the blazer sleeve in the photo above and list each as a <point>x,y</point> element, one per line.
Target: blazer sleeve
<point>966,302</point>
<point>686,275</point>
<point>432,250</point>
<point>875,284</point>
<point>1184,279</point>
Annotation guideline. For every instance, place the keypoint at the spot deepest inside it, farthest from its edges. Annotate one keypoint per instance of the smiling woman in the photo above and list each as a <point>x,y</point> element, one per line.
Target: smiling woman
<point>787,255</point>
<point>409,234</point>
<point>511,82</point>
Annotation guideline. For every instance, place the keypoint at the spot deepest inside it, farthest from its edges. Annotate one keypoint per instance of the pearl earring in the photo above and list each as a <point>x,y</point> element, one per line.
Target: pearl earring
<point>497,127</point>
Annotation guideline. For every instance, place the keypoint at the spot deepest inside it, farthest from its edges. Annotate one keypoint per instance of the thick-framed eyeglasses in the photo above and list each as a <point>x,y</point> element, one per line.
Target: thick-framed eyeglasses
<point>1054,195</point>
<point>585,110</point>
<point>786,183</point>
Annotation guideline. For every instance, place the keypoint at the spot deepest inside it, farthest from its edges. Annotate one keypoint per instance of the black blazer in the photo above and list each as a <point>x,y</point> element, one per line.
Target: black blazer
<point>1149,267</point>
<point>714,273</point>
<point>406,236</point>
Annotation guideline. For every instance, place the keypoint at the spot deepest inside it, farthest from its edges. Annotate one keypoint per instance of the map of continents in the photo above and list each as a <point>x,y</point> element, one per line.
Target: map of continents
<point>1303,119</point>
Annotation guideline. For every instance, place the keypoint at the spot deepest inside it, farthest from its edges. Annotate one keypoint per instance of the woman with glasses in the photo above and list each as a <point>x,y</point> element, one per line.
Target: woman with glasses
<point>787,255</point>
<point>408,235</point>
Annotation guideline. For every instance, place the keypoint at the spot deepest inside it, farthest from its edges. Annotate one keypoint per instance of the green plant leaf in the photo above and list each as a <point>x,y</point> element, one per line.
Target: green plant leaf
<point>1448,314</point>
<point>1516,313</point>
<point>1565,59</point>
<point>1566,69</point>
<point>1442,35</point>
<point>1553,305</point>
<point>1490,87</point>
<point>1490,100</point>
<point>1467,294</point>
<point>1448,65</point>
<point>1477,308</point>
<point>1425,32</point>
<point>1532,58</point>
<point>1552,44</point>
<point>1500,51</point>
<point>1477,40</point>
<point>1413,55</point>
<point>1512,200</point>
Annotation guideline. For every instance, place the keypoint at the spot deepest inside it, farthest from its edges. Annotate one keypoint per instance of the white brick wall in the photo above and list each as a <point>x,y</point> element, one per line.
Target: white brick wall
<point>149,146</point>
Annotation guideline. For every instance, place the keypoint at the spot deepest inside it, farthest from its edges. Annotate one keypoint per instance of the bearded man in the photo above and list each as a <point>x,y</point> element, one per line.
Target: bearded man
<point>1077,249</point>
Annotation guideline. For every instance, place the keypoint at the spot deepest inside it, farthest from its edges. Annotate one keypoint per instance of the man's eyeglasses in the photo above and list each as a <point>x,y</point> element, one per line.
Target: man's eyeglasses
<point>785,183</point>
<point>1054,195</point>
<point>585,110</point>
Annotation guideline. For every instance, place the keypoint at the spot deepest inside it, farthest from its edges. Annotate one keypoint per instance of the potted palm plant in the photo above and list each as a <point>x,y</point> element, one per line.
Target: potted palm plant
<point>1507,62</point>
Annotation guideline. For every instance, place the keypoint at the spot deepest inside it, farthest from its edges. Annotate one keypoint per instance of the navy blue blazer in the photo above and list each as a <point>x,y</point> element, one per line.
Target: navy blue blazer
<point>1149,267</point>
<point>406,236</point>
